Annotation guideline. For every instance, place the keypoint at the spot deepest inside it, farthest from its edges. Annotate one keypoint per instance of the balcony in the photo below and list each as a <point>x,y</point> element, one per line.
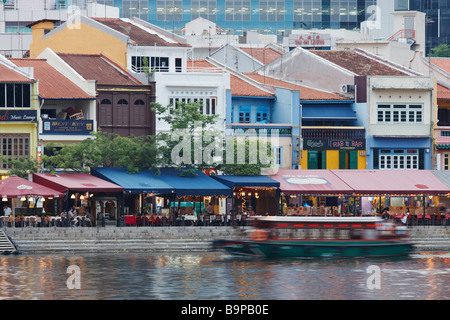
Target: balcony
<point>257,129</point>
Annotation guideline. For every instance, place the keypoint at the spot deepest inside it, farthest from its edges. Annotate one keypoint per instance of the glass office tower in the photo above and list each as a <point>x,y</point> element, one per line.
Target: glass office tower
<point>280,16</point>
<point>266,16</point>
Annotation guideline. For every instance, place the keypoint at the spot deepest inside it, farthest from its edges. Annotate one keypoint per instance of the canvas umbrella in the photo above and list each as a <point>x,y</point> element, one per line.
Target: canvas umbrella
<point>15,187</point>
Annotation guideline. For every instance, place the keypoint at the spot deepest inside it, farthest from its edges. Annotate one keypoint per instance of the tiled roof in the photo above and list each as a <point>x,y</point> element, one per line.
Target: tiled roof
<point>305,92</point>
<point>358,63</point>
<point>443,63</point>
<point>241,87</point>
<point>52,84</point>
<point>139,34</point>
<point>98,67</point>
<point>8,74</point>
<point>443,92</point>
<point>263,55</point>
<point>202,66</point>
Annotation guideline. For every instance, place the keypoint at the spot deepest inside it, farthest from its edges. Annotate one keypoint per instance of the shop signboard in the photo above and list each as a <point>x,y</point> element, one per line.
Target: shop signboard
<point>67,126</point>
<point>334,144</point>
<point>309,40</point>
<point>18,115</point>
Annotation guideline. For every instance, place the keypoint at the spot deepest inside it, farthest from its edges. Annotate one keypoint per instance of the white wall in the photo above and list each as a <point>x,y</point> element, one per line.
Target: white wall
<point>192,85</point>
<point>401,90</point>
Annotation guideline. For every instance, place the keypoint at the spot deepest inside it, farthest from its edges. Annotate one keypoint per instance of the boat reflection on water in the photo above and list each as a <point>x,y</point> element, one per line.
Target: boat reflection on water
<point>282,236</point>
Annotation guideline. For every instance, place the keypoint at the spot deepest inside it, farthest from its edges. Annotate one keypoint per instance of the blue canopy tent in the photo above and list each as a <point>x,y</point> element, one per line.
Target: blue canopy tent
<point>247,181</point>
<point>197,185</point>
<point>141,182</point>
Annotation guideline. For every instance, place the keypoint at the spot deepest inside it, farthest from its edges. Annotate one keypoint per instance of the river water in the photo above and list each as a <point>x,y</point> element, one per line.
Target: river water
<point>217,276</point>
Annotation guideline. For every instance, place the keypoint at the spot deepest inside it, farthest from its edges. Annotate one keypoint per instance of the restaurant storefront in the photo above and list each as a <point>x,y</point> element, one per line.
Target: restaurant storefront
<point>87,193</point>
<point>254,195</point>
<point>166,195</point>
<point>313,192</point>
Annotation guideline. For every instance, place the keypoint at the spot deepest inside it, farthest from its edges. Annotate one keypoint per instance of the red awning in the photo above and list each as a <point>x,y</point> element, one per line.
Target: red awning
<point>312,182</point>
<point>75,182</point>
<point>14,187</point>
<point>392,182</point>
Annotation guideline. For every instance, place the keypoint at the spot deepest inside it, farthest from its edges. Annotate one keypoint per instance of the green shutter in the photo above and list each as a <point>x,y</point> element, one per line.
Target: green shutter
<point>353,159</point>
<point>342,161</point>
<point>312,160</point>
<point>324,159</point>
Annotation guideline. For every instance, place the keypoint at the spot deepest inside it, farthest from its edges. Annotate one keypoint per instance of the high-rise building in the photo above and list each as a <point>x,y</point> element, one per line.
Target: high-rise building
<point>272,16</point>
<point>437,19</point>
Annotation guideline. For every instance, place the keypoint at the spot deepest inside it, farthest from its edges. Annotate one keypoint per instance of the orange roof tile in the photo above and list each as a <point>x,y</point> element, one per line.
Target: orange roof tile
<point>305,92</point>
<point>52,83</point>
<point>263,55</point>
<point>98,67</point>
<point>358,63</point>
<point>8,74</point>
<point>203,66</point>
<point>443,63</point>
<point>139,35</point>
<point>241,87</point>
<point>443,92</point>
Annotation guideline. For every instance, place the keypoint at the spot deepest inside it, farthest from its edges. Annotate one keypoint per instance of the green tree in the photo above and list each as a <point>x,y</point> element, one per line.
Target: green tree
<point>194,143</point>
<point>105,150</point>
<point>20,167</point>
<point>442,50</point>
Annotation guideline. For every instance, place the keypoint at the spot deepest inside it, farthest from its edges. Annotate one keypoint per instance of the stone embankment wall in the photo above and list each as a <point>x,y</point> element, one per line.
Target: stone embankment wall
<point>123,239</point>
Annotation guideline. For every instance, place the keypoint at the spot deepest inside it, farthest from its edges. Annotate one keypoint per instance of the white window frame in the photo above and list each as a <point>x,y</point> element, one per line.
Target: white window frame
<point>278,156</point>
<point>208,104</point>
<point>399,113</point>
<point>390,159</point>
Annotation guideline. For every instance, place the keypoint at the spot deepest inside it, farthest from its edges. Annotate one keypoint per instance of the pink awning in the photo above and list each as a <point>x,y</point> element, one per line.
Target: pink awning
<point>312,182</point>
<point>392,182</point>
<point>14,187</point>
<point>75,182</point>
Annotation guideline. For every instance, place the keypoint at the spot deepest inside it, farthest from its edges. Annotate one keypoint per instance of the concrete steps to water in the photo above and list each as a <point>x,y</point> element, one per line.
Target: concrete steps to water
<point>118,239</point>
<point>6,246</point>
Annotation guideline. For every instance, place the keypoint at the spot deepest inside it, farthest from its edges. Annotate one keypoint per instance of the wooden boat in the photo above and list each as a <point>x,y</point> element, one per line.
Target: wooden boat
<point>283,236</point>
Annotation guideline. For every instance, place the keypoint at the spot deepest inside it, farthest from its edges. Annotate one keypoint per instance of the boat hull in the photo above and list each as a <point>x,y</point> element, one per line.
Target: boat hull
<point>316,248</point>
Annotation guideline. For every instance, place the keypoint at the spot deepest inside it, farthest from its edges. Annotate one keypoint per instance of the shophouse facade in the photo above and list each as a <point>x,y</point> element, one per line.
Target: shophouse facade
<point>131,43</point>
<point>123,104</point>
<point>19,107</point>
<point>354,74</point>
<point>67,112</point>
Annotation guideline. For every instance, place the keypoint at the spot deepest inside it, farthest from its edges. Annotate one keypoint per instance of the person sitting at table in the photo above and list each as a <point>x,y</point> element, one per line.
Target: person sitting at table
<point>404,219</point>
<point>194,213</point>
<point>385,214</point>
<point>209,209</point>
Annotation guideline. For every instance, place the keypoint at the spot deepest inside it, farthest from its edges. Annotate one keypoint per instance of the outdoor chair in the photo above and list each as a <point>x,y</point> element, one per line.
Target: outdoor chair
<point>130,220</point>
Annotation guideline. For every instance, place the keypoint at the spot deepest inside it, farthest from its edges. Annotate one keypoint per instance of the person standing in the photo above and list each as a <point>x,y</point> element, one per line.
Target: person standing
<point>6,211</point>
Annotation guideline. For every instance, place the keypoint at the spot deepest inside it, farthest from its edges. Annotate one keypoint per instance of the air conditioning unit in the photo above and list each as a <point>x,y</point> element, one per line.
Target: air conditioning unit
<point>347,88</point>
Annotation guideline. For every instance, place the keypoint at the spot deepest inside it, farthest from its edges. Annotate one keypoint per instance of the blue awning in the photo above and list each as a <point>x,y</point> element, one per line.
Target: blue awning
<point>198,185</point>
<point>168,181</point>
<point>142,182</point>
<point>328,112</point>
<point>247,181</point>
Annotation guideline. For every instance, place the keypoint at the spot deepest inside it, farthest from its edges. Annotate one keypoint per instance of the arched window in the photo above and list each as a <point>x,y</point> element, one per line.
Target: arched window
<point>139,102</point>
<point>105,101</point>
<point>122,101</point>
